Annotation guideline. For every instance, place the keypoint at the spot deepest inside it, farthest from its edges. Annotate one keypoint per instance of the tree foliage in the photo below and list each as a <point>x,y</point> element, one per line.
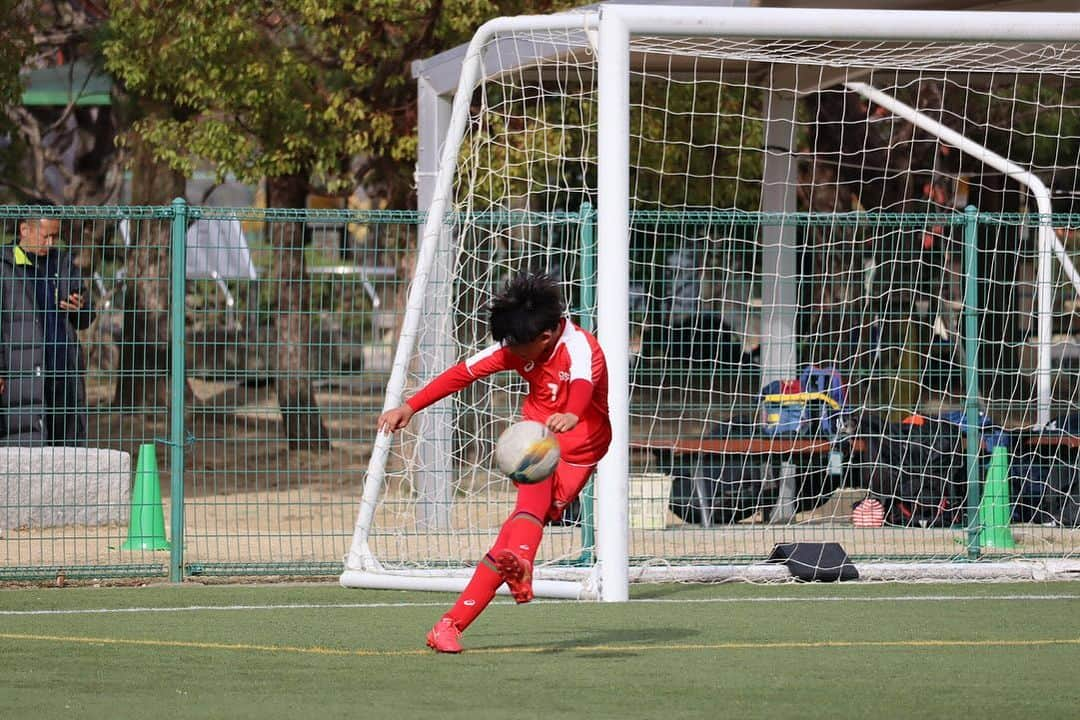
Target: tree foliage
<point>890,164</point>
<point>526,147</point>
<point>312,88</point>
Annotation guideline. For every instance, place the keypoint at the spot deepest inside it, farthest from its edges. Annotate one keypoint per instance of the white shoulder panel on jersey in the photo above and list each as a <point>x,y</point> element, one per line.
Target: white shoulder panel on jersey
<point>577,345</point>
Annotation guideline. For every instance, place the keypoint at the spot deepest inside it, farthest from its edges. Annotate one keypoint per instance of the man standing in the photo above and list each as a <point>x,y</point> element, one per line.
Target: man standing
<point>42,304</point>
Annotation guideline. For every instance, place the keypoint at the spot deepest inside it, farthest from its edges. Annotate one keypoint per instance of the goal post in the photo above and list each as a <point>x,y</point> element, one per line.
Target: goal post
<point>757,213</point>
<point>612,307</point>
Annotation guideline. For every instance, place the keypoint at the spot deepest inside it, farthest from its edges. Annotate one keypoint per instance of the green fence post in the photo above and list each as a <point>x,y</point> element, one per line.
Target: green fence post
<point>587,313</point>
<point>177,279</point>
<point>971,384</point>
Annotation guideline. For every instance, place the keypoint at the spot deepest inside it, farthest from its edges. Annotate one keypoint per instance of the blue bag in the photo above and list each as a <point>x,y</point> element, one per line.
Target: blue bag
<point>814,405</point>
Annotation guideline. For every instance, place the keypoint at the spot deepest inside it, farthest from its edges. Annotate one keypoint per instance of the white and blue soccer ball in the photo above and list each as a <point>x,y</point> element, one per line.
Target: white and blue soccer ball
<point>527,452</point>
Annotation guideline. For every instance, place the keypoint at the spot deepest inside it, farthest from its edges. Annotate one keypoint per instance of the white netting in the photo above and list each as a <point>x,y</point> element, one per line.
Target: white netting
<point>726,298</point>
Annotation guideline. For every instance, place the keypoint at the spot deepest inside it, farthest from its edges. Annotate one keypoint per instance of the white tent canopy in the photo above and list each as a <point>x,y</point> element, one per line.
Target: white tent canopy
<point>216,250</point>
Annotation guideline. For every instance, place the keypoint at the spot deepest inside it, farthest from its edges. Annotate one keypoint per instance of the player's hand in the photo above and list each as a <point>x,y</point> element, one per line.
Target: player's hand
<point>74,301</point>
<point>395,419</point>
<point>562,422</point>
<point>3,386</point>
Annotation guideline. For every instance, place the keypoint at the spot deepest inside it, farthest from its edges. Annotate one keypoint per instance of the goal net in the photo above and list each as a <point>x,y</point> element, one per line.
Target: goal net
<point>828,258</point>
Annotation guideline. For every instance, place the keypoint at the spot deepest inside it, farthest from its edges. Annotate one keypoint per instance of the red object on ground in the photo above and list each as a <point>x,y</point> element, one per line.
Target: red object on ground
<point>868,514</point>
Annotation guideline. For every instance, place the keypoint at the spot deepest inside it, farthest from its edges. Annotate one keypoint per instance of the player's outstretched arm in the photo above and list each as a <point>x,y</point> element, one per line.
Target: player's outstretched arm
<point>449,382</point>
<point>395,419</point>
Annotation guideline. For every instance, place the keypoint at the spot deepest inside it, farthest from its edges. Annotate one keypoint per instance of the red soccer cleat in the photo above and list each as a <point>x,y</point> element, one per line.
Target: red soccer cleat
<point>444,637</point>
<point>516,572</point>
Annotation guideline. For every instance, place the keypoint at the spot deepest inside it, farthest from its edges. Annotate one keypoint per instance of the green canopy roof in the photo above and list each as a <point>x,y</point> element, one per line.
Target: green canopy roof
<point>59,85</point>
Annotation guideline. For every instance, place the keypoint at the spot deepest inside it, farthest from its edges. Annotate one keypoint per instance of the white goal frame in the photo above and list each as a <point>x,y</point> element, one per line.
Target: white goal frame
<point>612,27</point>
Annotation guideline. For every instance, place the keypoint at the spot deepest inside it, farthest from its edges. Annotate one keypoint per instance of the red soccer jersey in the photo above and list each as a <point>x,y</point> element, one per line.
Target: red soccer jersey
<point>576,357</point>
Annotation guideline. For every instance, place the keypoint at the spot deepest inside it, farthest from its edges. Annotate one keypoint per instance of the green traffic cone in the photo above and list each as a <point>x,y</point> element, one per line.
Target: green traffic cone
<point>146,529</point>
<point>994,509</point>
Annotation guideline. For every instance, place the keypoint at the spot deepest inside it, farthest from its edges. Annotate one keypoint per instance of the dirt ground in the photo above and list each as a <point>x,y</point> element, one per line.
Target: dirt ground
<point>314,524</point>
<point>249,498</point>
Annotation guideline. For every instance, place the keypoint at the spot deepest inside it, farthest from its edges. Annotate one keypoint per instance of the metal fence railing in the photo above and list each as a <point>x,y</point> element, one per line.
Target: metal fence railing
<point>206,406</point>
<point>244,351</point>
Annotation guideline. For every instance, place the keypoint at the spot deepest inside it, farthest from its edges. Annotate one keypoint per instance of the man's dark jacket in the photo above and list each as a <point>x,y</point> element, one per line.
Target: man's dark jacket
<point>26,418</point>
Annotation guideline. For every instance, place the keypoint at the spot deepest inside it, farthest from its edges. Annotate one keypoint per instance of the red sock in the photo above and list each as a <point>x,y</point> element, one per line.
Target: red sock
<point>523,535</point>
<point>476,595</point>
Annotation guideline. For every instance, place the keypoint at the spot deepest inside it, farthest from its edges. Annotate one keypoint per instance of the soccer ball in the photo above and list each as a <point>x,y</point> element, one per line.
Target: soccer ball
<point>527,452</point>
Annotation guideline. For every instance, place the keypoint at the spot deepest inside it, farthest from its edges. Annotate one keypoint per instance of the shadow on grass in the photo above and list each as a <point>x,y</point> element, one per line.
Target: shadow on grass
<point>604,644</point>
<point>660,590</point>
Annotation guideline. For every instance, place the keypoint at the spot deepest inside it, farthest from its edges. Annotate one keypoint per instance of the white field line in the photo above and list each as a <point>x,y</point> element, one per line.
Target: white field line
<point>370,606</point>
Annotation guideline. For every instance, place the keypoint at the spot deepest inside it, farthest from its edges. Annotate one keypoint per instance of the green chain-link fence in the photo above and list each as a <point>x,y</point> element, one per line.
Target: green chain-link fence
<point>263,389</point>
<point>251,348</point>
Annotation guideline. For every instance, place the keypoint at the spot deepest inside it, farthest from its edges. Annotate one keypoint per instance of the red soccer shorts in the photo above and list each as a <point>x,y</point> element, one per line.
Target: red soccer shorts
<point>546,500</point>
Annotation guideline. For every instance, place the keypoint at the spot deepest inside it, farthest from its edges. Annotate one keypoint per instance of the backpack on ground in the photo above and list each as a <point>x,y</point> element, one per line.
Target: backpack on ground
<point>916,469</point>
<point>1044,479</point>
<point>715,488</point>
<point>813,405</point>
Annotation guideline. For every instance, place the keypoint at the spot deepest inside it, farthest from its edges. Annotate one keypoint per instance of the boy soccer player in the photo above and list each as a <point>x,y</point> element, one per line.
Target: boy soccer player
<point>567,378</point>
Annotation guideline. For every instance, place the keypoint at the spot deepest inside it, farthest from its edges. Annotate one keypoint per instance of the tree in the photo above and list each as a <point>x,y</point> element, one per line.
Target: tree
<point>299,92</point>
<point>15,44</point>
<point>895,166</point>
<point>144,361</point>
<point>60,152</point>
<point>68,154</point>
<point>320,90</point>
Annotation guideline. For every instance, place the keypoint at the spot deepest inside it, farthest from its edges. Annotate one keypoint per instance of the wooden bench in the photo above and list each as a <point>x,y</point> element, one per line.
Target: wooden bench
<point>769,448</point>
<point>778,450</point>
<point>777,445</point>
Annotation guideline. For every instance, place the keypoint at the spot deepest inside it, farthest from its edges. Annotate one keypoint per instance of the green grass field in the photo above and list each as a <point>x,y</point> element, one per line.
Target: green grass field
<point>717,651</point>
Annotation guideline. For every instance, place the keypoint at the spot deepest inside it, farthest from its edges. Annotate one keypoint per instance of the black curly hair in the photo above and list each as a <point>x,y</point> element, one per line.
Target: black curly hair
<point>528,304</point>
